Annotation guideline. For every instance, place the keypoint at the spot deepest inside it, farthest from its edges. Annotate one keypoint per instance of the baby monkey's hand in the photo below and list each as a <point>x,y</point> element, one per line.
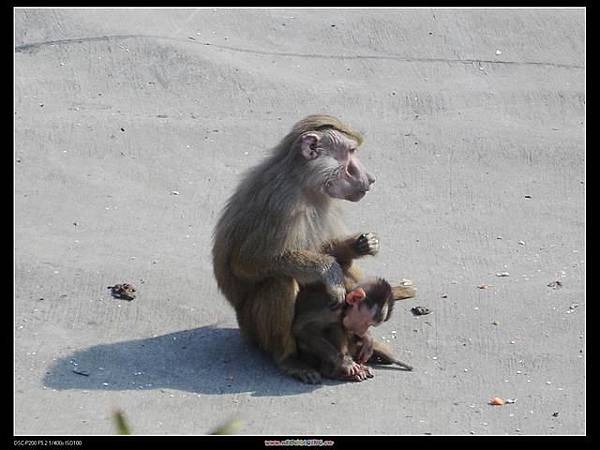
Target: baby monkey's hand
<point>366,349</point>
<point>352,371</point>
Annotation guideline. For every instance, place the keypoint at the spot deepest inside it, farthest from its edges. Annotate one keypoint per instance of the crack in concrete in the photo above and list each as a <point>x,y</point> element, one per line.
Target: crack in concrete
<point>37,45</point>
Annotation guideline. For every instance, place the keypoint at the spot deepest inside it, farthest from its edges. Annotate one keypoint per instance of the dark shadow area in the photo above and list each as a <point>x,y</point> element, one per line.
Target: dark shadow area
<point>205,360</point>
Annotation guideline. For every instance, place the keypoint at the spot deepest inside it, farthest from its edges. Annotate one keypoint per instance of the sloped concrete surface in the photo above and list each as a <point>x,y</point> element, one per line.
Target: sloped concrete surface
<point>132,127</point>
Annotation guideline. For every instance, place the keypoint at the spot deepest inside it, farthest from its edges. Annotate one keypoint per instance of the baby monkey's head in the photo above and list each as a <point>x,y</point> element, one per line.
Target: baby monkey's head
<point>368,304</point>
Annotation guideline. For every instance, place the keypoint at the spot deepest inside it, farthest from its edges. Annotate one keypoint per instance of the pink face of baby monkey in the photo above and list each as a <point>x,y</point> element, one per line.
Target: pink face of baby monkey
<point>359,317</point>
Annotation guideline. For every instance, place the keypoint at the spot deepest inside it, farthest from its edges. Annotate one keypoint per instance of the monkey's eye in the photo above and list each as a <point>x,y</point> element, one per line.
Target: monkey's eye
<point>352,150</point>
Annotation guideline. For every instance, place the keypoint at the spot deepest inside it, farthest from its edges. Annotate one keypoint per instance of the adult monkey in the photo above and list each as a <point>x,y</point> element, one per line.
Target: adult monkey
<point>282,227</point>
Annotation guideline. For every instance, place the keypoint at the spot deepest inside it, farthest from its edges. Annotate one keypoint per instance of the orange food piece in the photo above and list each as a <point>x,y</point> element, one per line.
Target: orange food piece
<point>497,401</point>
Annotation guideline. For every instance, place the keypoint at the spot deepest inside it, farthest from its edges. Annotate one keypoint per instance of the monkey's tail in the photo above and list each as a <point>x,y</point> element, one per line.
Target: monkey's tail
<point>382,354</point>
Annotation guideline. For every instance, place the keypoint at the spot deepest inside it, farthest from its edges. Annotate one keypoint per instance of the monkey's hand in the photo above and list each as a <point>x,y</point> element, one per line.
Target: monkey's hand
<point>367,371</point>
<point>333,279</point>
<point>366,349</point>
<point>352,371</point>
<point>367,244</point>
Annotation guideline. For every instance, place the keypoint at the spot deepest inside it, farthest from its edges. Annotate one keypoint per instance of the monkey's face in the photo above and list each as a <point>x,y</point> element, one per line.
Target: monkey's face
<point>359,316</point>
<point>338,171</point>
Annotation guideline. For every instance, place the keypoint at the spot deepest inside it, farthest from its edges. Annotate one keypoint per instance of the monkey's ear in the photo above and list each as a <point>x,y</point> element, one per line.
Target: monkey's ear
<point>355,296</point>
<point>308,146</point>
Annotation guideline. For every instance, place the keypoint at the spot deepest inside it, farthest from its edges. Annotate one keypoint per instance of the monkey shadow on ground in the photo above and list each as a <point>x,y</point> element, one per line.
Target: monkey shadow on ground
<point>206,360</point>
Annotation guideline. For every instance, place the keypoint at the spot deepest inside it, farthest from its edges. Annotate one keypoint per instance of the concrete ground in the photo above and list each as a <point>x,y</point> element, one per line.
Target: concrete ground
<point>132,128</point>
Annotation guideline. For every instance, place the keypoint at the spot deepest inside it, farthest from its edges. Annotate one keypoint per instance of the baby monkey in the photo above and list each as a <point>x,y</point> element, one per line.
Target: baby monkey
<point>337,342</point>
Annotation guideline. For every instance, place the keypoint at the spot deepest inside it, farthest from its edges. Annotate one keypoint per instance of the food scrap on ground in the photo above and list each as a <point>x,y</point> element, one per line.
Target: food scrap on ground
<point>124,291</point>
<point>496,401</point>
<point>420,310</point>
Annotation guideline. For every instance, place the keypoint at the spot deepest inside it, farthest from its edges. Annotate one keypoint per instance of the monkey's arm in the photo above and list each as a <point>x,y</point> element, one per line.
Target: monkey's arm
<point>353,247</point>
<point>346,250</point>
<point>363,348</point>
<point>304,266</point>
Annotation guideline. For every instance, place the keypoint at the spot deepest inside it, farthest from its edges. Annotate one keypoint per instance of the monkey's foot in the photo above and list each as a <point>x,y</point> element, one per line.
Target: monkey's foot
<point>299,370</point>
<point>406,289</point>
<point>308,376</point>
